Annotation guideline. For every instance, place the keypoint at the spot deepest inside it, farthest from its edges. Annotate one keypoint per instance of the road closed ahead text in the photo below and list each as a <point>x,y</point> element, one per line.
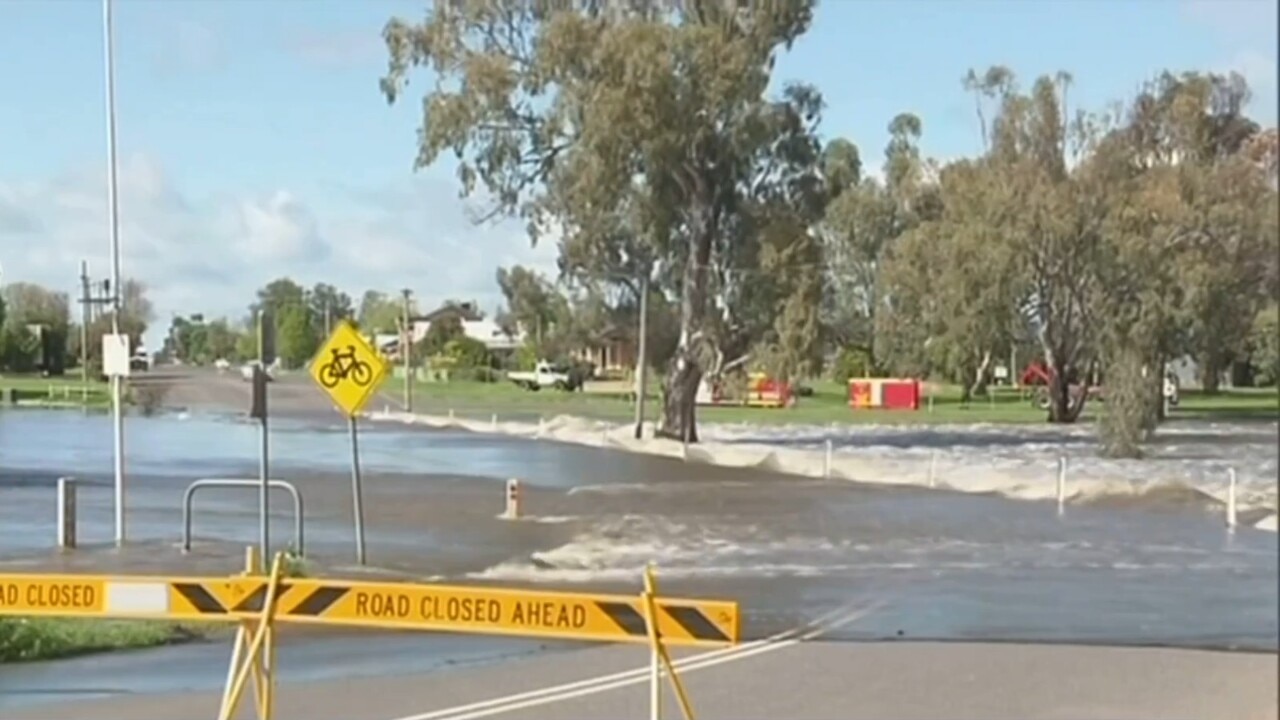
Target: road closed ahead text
<point>532,614</point>
<point>570,616</point>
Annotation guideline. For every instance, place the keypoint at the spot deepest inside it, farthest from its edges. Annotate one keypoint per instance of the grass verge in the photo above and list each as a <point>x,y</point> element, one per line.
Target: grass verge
<point>65,391</point>
<point>828,404</point>
<point>31,639</point>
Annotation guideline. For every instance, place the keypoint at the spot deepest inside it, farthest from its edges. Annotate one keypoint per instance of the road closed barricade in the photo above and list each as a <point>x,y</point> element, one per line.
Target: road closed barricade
<point>257,603</point>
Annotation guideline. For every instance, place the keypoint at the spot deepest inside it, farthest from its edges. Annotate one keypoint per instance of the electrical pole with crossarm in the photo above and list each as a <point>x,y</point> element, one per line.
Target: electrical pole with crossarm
<point>406,352</point>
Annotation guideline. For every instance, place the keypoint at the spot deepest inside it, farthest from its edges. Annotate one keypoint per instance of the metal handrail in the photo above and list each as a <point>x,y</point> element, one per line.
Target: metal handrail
<point>236,482</point>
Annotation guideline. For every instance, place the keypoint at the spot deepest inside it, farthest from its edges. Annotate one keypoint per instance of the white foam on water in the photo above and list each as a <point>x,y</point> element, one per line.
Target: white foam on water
<point>1018,462</point>
<point>615,489</point>
<point>540,519</point>
<point>618,548</point>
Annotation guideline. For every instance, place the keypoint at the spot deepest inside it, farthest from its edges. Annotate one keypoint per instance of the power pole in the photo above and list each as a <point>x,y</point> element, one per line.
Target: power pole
<point>84,322</point>
<point>642,359</point>
<point>328,325</point>
<point>406,351</point>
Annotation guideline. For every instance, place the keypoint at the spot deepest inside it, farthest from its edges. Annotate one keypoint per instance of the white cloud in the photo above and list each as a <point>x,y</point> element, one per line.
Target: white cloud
<point>209,254</point>
<point>337,48</point>
<point>1246,30</point>
<point>185,46</point>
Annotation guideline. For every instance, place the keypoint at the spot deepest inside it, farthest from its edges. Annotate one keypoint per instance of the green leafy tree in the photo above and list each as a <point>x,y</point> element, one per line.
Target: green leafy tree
<point>382,313</point>
<point>440,333</point>
<point>571,116</point>
<point>328,305</point>
<point>296,338</point>
<point>534,306</point>
<point>276,296</point>
<point>29,304</point>
<point>21,348</point>
<point>1265,344</point>
<point>467,352</point>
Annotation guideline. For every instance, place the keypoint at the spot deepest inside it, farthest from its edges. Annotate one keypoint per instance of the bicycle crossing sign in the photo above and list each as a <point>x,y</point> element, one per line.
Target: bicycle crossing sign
<point>348,368</point>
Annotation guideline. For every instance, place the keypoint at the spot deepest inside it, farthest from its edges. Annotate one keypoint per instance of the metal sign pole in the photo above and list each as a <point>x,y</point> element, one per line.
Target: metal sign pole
<point>264,537</point>
<point>349,370</point>
<point>266,355</point>
<point>357,501</point>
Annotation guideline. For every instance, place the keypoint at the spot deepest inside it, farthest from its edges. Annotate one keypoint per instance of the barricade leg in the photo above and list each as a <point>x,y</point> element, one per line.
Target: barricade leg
<point>659,654</point>
<point>253,659</point>
<point>252,566</point>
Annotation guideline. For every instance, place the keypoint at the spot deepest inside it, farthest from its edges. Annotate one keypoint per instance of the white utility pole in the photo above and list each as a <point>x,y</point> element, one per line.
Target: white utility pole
<point>113,219</point>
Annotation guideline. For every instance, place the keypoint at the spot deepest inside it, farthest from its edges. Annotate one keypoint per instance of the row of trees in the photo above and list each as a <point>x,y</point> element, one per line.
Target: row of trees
<point>38,333</point>
<point>646,138</point>
<point>302,318</point>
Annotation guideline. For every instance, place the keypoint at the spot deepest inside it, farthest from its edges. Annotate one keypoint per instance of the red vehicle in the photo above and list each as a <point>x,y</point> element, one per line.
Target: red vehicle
<point>1038,375</point>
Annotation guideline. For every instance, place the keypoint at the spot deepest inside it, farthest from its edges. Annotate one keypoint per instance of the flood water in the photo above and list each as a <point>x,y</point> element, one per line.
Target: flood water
<point>938,564</point>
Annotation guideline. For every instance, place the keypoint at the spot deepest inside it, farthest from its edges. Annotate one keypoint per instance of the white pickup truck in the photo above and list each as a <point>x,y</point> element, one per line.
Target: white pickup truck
<point>545,374</point>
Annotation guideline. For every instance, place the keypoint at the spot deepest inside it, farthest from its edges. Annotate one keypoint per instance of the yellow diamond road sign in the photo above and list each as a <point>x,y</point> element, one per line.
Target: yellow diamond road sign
<point>348,368</point>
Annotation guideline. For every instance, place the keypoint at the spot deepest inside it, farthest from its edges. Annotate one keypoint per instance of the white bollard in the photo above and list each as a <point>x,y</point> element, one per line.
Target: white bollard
<point>450,414</point>
<point>1062,484</point>
<point>933,469</point>
<point>495,421</point>
<point>66,513</point>
<point>512,511</point>
<point>826,464</point>
<point>1231,499</point>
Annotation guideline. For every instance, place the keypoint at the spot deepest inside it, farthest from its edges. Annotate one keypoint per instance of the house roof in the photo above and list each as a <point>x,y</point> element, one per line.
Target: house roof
<point>464,311</point>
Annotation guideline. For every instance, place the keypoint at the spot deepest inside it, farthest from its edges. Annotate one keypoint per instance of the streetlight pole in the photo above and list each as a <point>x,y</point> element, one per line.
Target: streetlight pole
<point>113,218</point>
<point>84,324</point>
<point>406,351</point>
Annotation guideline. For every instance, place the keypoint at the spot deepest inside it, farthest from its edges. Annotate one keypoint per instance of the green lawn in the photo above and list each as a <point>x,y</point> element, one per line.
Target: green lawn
<point>827,405</point>
<point>29,639</point>
<point>56,391</point>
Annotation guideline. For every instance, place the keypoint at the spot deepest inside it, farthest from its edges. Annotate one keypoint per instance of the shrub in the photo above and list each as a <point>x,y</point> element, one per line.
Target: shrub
<point>851,363</point>
<point>467,353</point>
<point>1265,344</point>
<point>478,374</point>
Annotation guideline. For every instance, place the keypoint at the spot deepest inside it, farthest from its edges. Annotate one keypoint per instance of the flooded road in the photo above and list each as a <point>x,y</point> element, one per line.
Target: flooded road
<point>946,565</point>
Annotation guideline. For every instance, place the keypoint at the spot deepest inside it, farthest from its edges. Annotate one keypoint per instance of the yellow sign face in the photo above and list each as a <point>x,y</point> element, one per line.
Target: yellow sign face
<point>35,595</point>
<point>489,611</point>
<point>571,616</point>
<point>348,368</point>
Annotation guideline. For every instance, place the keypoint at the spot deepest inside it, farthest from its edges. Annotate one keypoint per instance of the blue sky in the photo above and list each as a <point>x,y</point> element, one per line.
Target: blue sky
<point>254,142</point>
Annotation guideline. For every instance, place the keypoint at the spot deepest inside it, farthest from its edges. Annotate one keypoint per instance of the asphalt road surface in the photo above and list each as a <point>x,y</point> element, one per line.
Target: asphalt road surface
<point>779,679</point>
<point>204,388</point>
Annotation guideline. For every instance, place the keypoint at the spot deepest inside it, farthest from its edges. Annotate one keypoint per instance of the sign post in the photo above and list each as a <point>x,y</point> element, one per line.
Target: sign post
<point>350,370</point>
<point>116,365</point>
<point>258,411</point>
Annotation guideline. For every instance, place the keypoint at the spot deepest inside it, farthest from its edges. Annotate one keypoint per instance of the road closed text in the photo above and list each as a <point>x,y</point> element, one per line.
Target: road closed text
<point>469,610</point>
<point>49,596</point>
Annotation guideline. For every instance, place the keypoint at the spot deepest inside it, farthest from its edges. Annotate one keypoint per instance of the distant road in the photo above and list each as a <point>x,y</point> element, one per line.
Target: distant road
<point>198,388</point>
<point>781,679</point>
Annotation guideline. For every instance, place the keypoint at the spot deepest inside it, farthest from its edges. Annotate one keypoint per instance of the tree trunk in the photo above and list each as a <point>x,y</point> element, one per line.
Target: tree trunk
<point>1126,424</point>
<point>980,376</point>
<point>679,417</point>
<point>679,409</point>
<point>1210,373</point>
<point>1064,406</point>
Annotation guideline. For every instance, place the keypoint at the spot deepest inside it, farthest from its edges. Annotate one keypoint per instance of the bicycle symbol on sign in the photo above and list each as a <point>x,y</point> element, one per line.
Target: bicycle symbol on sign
<point>344,365</point>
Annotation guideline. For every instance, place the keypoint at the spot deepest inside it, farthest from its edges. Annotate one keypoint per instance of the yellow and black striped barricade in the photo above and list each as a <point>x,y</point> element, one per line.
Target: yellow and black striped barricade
<point>403,606</point>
